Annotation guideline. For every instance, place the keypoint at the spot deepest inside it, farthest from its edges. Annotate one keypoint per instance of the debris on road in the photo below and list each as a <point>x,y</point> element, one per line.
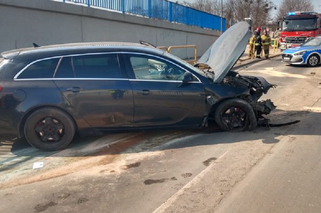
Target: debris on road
<point>37,165</point>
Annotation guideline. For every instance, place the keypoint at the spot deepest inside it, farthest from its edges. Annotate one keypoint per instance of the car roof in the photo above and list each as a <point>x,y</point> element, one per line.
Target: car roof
<point>78,48</point>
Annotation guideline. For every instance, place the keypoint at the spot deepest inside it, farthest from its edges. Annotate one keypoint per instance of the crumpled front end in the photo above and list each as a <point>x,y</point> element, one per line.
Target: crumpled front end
<point>257,86</point>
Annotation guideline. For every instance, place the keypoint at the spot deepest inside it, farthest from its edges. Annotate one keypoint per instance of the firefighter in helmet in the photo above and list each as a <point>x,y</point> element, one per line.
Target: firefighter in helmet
<point>258,42</point>
<point>252,46</point>
<point>266,42</point>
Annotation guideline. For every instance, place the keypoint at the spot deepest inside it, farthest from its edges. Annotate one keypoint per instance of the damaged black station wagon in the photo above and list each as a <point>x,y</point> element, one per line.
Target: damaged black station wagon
<point>48,94</point>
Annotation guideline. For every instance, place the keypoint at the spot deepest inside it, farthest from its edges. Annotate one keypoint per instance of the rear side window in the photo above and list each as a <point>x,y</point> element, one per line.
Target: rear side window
<point>97,66</point>
<point>40,69</point>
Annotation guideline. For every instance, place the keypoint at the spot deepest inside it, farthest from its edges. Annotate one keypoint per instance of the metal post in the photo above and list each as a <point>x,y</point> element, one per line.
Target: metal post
<point>170,11</point>
<point>123,6</point>
<point>149,8</point>
<point>221,16</point>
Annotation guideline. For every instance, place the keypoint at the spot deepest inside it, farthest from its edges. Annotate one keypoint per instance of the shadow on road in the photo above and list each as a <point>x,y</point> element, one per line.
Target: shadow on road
<point>116,143</point>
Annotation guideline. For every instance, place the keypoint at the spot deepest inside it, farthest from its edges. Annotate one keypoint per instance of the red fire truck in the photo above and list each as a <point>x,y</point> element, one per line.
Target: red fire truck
<point>298,27</point>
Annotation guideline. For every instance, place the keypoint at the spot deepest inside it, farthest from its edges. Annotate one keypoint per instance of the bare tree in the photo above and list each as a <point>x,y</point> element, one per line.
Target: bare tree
<point>229,12</point>
<point>293,5</point>
<point>237,10</point>
<point>258,10</point>
<point>210,6</point>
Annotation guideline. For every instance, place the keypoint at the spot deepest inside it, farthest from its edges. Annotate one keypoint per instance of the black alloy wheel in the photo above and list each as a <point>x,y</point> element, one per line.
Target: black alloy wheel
<point>235,115</point>
<point>49,129</point>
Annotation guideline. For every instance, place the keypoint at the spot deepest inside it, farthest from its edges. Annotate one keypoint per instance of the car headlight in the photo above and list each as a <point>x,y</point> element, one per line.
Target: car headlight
<point>300,53</point>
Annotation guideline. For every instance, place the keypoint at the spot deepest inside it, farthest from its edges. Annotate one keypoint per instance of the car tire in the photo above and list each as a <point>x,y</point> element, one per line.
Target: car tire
<point>235,115</point>
<point>49,129</point>
<point>313,60</point>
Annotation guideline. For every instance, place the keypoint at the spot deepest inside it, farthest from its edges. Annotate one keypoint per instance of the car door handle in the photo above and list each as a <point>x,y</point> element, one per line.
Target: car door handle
<point>74,89</point>
<point>144,92</point>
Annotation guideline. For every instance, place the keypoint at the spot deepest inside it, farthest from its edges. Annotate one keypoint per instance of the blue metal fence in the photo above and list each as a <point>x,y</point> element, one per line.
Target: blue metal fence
<point>159,9</point>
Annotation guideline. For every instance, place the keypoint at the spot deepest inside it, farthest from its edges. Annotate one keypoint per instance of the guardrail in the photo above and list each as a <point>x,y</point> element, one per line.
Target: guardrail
<point>181,47</point>
<point>159,9</point>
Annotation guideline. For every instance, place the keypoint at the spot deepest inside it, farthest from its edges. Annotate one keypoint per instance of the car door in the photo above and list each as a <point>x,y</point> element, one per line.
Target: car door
<point>97,87</point>
<point>160,96</point>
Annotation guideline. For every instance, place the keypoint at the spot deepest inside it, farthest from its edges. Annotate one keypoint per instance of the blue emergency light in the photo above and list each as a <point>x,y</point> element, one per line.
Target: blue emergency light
<point>301,13</point>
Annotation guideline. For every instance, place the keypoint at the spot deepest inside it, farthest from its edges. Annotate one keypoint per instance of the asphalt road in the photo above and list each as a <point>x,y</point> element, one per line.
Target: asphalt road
<point>265,170</point>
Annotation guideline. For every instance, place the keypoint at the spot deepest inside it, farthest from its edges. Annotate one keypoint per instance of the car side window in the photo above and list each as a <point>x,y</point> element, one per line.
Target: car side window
<point>150,68</point>
<point>40,69</point>
<point>65,69</point>
<point>97,66</point>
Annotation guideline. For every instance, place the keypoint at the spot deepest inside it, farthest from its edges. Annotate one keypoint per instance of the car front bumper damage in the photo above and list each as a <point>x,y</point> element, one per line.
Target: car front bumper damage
<point>257,87</point>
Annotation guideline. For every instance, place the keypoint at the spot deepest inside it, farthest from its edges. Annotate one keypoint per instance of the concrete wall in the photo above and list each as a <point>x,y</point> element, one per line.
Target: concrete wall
<point>45,22</point>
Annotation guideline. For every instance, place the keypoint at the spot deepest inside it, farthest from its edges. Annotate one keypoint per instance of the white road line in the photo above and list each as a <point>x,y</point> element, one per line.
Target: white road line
<point>194,181</point>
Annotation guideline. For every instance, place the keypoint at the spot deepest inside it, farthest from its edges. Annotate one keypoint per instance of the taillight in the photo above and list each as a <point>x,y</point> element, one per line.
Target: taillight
<point>281,39</point>
<point>0,88</point>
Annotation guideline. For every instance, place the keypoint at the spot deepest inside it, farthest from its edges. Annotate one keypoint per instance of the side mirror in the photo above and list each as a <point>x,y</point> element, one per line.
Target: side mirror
<point>188,77</point>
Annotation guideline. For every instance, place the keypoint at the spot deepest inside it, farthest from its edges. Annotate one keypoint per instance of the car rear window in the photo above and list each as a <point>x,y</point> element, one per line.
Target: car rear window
<point>40,69</point>
<point>1,60</point>
<point>3,63</point>
<point>97,66</point>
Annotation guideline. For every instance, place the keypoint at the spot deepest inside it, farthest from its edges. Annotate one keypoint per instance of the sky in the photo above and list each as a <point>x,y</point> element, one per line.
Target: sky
<point>316,4</point>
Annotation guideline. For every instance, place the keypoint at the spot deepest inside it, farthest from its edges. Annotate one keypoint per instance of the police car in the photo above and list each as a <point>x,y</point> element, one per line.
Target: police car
<point>308,53</point>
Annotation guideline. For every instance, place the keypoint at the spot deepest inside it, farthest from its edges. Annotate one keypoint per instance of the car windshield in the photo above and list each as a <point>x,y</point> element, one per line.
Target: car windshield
<point>313,42</point>
<point>199,71</point>
<point>299,24</point>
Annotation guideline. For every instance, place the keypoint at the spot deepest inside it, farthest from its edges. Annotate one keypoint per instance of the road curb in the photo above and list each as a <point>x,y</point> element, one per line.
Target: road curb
<point>254,61</point>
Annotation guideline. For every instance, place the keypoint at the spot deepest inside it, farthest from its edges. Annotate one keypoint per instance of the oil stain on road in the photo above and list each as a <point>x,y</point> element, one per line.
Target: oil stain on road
<point>154,181</point>
<point>209,161</point>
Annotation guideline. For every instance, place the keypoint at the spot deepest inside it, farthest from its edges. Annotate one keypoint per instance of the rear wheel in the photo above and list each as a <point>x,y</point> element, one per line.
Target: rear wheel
<point>235,115</point>
<point>49,129</point>
<point>313,60</point>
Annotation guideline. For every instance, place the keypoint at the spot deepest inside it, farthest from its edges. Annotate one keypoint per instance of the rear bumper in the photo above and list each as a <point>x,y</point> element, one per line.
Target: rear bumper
<point>8,124</point>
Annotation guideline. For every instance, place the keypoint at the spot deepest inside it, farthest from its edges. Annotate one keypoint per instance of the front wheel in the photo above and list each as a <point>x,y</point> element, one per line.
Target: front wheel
<point>49,129</point>
<point>235,115</point>
<point>313,60</point>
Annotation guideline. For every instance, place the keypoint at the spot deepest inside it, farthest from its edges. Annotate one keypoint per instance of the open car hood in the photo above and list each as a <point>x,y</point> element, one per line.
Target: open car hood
<point>226,50</point>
